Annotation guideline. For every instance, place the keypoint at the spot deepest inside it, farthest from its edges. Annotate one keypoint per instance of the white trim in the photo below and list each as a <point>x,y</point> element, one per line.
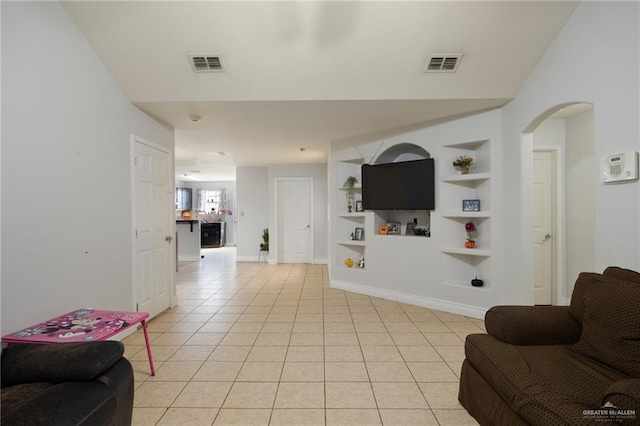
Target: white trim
<point>273,239</point>
<point>171,226</point>
<point>412,299</point>
<point>559,221</point>
<point>526,219</point>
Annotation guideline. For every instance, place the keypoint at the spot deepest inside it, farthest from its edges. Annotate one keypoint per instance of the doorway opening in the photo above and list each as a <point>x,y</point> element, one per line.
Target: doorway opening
<point>559,177</point>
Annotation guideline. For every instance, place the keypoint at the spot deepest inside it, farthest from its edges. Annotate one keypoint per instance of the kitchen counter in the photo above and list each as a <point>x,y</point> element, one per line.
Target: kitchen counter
<point>189,221</point>
<point>188,232</point>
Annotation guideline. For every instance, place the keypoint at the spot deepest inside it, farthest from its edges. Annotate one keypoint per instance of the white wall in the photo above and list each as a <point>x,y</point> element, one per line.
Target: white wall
<point>550,133</point>
<point>318,172</point>
<point>66,170</point>
<point>252,184</point>
<point>581,185</point>
<point>573,71</point>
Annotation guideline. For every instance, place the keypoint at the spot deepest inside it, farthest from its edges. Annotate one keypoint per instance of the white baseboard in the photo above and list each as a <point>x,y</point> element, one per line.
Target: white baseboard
<point>411,299</point>
<point>247,259</point>
<point>273,262</point>
<point>184,258</point>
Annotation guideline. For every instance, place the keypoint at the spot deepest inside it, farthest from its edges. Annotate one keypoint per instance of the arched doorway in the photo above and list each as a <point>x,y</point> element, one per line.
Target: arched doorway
<point>559,174</point>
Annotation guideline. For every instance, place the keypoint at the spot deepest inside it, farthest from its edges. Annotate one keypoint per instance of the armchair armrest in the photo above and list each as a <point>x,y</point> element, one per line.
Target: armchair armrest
<point>66,404</point>
<point>58,362</point>
<point>532,325</point>
<point>624,394</point>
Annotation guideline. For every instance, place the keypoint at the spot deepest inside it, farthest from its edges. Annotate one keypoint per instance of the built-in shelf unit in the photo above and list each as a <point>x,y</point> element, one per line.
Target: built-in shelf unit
<point>460,263</point>
<point>347,222</point>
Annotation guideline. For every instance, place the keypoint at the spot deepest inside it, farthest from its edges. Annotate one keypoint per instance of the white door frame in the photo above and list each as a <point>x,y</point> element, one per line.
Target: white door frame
<point>559,239</point>
<point>171,225</point>
<point>273,239</point>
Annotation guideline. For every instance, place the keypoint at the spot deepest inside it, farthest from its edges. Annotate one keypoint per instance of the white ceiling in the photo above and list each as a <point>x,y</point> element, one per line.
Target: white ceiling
<point>304,74</point>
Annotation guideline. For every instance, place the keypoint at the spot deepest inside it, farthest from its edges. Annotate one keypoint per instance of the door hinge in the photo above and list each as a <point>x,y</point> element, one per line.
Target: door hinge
<point>136,233</point>
<point>135,160</point>
<point>137,309</point>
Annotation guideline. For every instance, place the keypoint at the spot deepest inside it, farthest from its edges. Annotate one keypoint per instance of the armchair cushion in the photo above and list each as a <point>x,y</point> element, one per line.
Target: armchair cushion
<point>550,384</point>
<point>80,361</point>
<point>532,325</point>
<point>611,332</point>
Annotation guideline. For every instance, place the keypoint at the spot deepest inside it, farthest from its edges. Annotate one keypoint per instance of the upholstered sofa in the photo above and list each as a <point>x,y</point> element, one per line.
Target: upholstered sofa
<point>66,384</point>
<point>559,365</point>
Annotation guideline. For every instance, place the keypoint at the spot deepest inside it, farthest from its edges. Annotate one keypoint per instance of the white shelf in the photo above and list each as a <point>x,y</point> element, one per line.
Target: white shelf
<point>353,268</point>
<point>467,251</point>
<point>352,243</point>
<point>466,285</point>
<point>352,215</point>
<point>460,214</point>
<point>472,146</point>
<point>471,177</point>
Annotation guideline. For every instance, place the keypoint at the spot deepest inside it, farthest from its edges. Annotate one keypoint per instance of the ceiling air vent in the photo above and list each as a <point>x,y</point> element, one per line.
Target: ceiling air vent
<point>206,63</point>
<point>442,62</point>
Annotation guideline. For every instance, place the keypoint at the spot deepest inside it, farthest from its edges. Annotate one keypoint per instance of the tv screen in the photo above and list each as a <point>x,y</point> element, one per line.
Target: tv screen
<point>406,185</point>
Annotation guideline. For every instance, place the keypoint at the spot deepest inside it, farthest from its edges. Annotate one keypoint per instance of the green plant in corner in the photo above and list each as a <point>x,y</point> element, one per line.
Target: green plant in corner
<point>348,186</point>
<point>265,240</point>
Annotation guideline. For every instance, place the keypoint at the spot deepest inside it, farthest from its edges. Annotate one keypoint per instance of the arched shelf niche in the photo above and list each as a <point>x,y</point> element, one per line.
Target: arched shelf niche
<point>402,152</point>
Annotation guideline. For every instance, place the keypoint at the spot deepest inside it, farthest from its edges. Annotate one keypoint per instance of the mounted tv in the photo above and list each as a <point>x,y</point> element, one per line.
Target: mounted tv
<point>406,185</point>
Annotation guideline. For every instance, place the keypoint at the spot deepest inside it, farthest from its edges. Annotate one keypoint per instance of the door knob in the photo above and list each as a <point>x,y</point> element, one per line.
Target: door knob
<point>168,238</point>
<point>546,237</point>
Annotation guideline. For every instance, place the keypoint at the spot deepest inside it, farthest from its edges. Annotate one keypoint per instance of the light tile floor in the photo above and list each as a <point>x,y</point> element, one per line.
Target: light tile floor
<point>258,344</point>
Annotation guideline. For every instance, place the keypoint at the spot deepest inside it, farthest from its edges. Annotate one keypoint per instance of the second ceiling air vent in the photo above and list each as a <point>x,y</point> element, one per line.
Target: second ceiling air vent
<point>206,63</point>
<point>442,62</point>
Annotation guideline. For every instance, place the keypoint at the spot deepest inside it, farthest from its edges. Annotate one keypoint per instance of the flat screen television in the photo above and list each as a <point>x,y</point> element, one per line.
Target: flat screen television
<point>406,185</point>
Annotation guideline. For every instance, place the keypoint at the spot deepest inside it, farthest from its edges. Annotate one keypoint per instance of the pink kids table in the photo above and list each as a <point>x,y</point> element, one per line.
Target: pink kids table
<point>83,325</point>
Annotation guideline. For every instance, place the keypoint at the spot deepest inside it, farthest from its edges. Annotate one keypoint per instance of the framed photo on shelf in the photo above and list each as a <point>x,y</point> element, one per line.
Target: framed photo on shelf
<point>358,235</point>
<point>411,228</point>
<point>470,205</point>
<point>359,206</point>
<point>393,228</point>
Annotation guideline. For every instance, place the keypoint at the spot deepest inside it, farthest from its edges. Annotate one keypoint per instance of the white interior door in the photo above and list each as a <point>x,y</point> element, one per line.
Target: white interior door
<point>153,243</point>
<point>294,220</point>
<point>543,226</point>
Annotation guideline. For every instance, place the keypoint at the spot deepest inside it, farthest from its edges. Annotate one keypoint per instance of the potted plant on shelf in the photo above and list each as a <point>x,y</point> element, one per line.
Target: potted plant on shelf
<point>472,234</point>
<point>265,240</point>
<point>463,163</point>
<point>348,186</point>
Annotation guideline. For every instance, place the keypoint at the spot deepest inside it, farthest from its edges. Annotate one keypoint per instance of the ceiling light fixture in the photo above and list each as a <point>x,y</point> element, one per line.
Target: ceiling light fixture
<point>187,176</point>
<point>195,118</point>
<point>302,149</point>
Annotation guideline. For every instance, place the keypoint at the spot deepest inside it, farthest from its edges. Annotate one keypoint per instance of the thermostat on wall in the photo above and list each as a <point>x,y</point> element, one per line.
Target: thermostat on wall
<point>619,167</point>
